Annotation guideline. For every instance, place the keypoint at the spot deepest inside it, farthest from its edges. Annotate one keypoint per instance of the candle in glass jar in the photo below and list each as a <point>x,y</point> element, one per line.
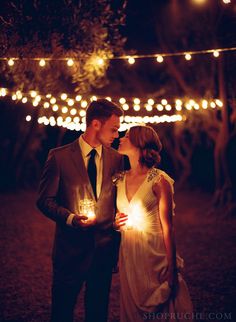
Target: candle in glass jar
<point>87,208</point>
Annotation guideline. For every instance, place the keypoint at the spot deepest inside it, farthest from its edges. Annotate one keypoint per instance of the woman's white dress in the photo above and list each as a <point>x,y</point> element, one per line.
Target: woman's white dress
<point>143,260</point>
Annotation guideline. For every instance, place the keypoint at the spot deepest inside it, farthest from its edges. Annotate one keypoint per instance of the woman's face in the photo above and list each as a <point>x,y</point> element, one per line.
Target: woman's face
<point>125,146</point>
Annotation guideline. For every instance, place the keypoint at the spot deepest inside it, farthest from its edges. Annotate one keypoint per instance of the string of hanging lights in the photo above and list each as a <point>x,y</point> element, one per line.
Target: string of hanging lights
<point>70,112</point>
<point>131,59</point>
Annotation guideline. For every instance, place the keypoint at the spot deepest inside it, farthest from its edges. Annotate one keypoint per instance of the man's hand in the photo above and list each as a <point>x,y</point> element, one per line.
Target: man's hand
<point>82,221</point>
<point>120,220</point>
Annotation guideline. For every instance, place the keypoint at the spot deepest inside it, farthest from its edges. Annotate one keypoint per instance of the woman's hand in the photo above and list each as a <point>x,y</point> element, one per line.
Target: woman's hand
<point>120,220</point>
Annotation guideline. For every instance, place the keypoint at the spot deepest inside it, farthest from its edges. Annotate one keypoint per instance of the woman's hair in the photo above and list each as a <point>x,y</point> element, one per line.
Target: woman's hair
<point>147,141</point>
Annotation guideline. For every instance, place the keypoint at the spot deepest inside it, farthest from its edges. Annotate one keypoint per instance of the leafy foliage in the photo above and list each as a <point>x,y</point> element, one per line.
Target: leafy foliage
<point>81,30</point>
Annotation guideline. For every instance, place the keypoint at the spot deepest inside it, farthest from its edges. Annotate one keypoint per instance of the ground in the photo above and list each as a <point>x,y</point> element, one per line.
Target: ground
<point>205,241</point>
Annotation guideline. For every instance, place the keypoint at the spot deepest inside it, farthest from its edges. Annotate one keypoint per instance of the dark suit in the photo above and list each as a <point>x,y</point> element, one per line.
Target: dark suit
<point>79,254</point>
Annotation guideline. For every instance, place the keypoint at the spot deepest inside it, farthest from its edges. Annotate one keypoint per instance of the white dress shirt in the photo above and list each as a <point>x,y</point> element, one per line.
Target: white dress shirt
<point>86,149</point>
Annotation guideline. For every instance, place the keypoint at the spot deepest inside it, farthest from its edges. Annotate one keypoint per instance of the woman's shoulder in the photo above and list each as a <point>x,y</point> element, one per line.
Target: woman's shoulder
<point>159,177</point>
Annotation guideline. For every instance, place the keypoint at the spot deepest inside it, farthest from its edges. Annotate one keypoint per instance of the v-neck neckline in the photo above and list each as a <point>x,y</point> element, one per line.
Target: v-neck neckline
<point>136,192</point>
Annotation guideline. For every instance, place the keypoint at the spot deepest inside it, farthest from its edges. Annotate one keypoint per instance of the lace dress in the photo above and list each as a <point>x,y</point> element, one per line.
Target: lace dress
<point>142,259</point>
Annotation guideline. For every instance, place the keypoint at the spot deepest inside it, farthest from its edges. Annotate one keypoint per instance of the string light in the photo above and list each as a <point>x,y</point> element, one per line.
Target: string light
<point>151,101</point>
<point>70,62</point>
<point>148,107</point>
<point>178,108</point>
<point>78,98</point>
<point>127,122</point>
<point>164,101</point>
<point>3,92</point>
<point>71,102</point>
<point>53,100</point>
<point>160,59</point>
<point>122,100</point>
<point>160,107</point>
<point>131,60</point>
<point>188,57</point>
<point>11,62</point>
<point>63,96</point>
<point>42,63</point>
<point>125,107</point>
<point>64,109</point>
<point>82,113</point>
<point>168,107</point>
<point>35,103</point>
<point>137,107</point>
<point>19,95</point>
<point>216,53</point>
<point>55,108</point>
<point>182,106</point>
<point>73,111</point>
<point>38,98</point>
<point>84,104</point>
<point>33,93</point>
<point>46,105</point>
<point>219,102</point>
<point>213,105</point>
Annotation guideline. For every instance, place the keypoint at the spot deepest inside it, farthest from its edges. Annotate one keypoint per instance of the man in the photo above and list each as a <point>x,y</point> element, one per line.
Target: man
<point>83,251</point>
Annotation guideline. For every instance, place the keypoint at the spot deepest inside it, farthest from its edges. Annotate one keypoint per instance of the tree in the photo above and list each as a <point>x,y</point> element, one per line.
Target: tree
<point>85,31</point>
<point>191,30</point>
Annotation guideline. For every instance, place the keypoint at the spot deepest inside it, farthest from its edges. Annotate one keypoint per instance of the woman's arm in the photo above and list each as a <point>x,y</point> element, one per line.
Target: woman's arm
<point>163,191</point>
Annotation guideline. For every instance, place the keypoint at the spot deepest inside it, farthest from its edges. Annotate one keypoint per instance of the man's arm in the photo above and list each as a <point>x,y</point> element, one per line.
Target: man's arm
<point>48,189</point>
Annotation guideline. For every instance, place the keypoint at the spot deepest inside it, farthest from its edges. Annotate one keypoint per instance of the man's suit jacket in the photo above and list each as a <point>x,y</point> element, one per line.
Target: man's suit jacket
<point>62,186</point>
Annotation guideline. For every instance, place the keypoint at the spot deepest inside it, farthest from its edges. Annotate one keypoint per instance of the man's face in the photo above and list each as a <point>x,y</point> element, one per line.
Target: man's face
<point>109,130</point>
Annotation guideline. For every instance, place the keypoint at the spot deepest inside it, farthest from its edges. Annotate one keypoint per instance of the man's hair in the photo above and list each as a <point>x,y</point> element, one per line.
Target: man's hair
<point>102,110</point>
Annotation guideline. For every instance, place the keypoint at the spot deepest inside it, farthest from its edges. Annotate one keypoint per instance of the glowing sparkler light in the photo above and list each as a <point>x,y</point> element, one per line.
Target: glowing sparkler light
<point>136,217</point>
<point>100,61</point>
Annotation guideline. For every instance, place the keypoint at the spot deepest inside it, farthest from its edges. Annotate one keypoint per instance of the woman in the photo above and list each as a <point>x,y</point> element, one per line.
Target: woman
<point>151,285</point>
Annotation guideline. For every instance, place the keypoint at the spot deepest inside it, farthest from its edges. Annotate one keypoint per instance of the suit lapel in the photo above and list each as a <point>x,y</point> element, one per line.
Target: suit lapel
<point>78,161</point>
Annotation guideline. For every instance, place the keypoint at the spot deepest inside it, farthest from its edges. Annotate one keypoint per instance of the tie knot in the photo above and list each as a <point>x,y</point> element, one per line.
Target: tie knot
<point>92,153</point>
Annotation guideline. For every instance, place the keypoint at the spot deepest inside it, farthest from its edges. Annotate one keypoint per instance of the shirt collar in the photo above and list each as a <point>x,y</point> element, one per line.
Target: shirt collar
<point>86,148</point>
